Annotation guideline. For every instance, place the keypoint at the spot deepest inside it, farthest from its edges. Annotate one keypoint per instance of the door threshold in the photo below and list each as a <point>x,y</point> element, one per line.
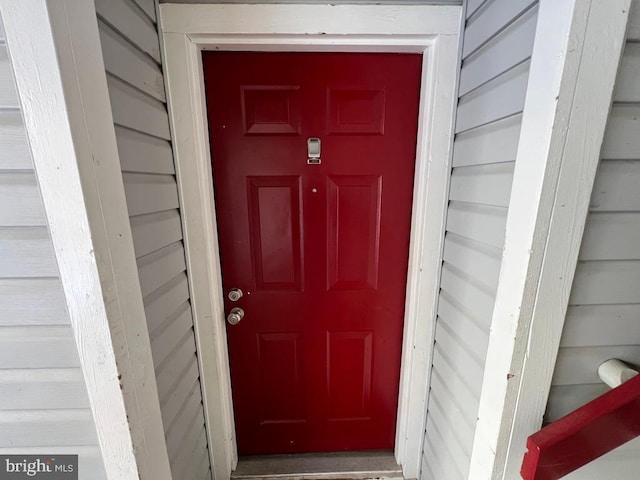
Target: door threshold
<point>321,466</point>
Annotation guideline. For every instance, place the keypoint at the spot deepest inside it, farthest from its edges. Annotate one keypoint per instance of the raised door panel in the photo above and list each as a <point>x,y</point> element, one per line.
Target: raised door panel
<point>353,230</point>
<point>276,247</point>
<point>283,398</point>
<point>270,110</point>
<point>349,369</point>
<point>355,111</point>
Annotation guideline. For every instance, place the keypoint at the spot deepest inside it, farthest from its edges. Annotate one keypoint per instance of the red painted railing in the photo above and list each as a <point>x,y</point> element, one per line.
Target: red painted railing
<point>585,434</point>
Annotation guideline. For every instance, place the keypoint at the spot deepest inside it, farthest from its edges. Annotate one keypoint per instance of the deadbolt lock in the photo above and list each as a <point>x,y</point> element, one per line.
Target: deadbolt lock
<point>235,294</point>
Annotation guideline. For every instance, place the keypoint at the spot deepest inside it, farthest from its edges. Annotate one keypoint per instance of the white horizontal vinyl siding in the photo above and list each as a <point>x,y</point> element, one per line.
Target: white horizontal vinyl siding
<point>131,51</point>
<point>497,45</point>
<point>603,318</point>
<point>44,406</point>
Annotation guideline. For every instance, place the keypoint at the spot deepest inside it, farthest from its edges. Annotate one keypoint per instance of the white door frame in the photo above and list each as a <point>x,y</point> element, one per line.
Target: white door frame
<point>430,30</point>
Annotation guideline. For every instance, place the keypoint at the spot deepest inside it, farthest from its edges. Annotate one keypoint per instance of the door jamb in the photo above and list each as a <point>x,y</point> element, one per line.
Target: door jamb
<point>433,31</point>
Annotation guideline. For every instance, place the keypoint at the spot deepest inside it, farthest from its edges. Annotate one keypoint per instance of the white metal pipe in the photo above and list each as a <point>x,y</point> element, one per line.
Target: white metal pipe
<point>614,373</point>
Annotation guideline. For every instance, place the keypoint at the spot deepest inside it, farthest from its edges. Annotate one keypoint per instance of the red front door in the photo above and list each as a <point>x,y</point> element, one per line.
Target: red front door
<point>319,250</point>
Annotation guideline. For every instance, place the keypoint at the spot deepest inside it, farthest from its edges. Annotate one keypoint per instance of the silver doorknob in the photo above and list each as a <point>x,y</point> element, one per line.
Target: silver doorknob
<point>235,294</point>
<point>235,315</point>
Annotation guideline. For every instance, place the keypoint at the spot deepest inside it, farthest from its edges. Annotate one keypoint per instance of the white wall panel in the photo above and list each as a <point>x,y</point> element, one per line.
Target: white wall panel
<point>132,66</point>
<point>566,398</point>
<point>621,140</point>
<point>130,45</point>
<point>32,301</point>
<point>8,94</point>
<point>14,149</point>
<point>21,428</point>
<point>443,434</point>
<point>611,236</point>
<point>633,33</point>
<point>162,303</point>
<point>493,143</point>
<point>575,366</point>
<point>450,385</point>
<point>150,193</point>
<point>482,184</point>
<point>501,97</point>
<point>506,50</point>
<point>615,189</point>
<point>155,230</point>
<point>141,153</point>
<point>190,414</point>
<point>454,351</point>
<point>450,414</point>
<point>435,447</point>
<point>478,260</point>
<point>606,283</point>
<point>148,7</point>
<point>42,389</point>
<point>584,325</point>
<point>131,22</point>
<point>136,110</point>
<point>38,347</point>
<point>160,267</point>
<point>44,406</point>
<point>603,318</point>
<point>20,202</point>
<point>183,464</point>
<point>470,331</point>
<point>177,327</point>
<point>27,252</point>
<point>189,384</point>
<point>496,15</point>
<point>170,373</point>
<point>627,86</point>
<point>473,6</point>
<point>481,222</point>
<point>498,41</point>
<point>467,293</point>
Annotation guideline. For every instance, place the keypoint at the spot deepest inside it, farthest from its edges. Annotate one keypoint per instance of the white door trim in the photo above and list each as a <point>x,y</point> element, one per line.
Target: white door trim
<point>57,58</point>
<point>575,57</point>
<point>430,30</point>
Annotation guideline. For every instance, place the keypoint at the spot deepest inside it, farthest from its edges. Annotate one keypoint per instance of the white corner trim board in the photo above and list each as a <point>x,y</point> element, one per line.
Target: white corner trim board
<point>59,70</point>
<point>429,30</point>
<point>575,57</point>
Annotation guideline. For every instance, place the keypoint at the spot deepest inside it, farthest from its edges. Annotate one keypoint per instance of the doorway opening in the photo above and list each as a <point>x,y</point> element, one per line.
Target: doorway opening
<point>313,167</point>
<point>430,31</point>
